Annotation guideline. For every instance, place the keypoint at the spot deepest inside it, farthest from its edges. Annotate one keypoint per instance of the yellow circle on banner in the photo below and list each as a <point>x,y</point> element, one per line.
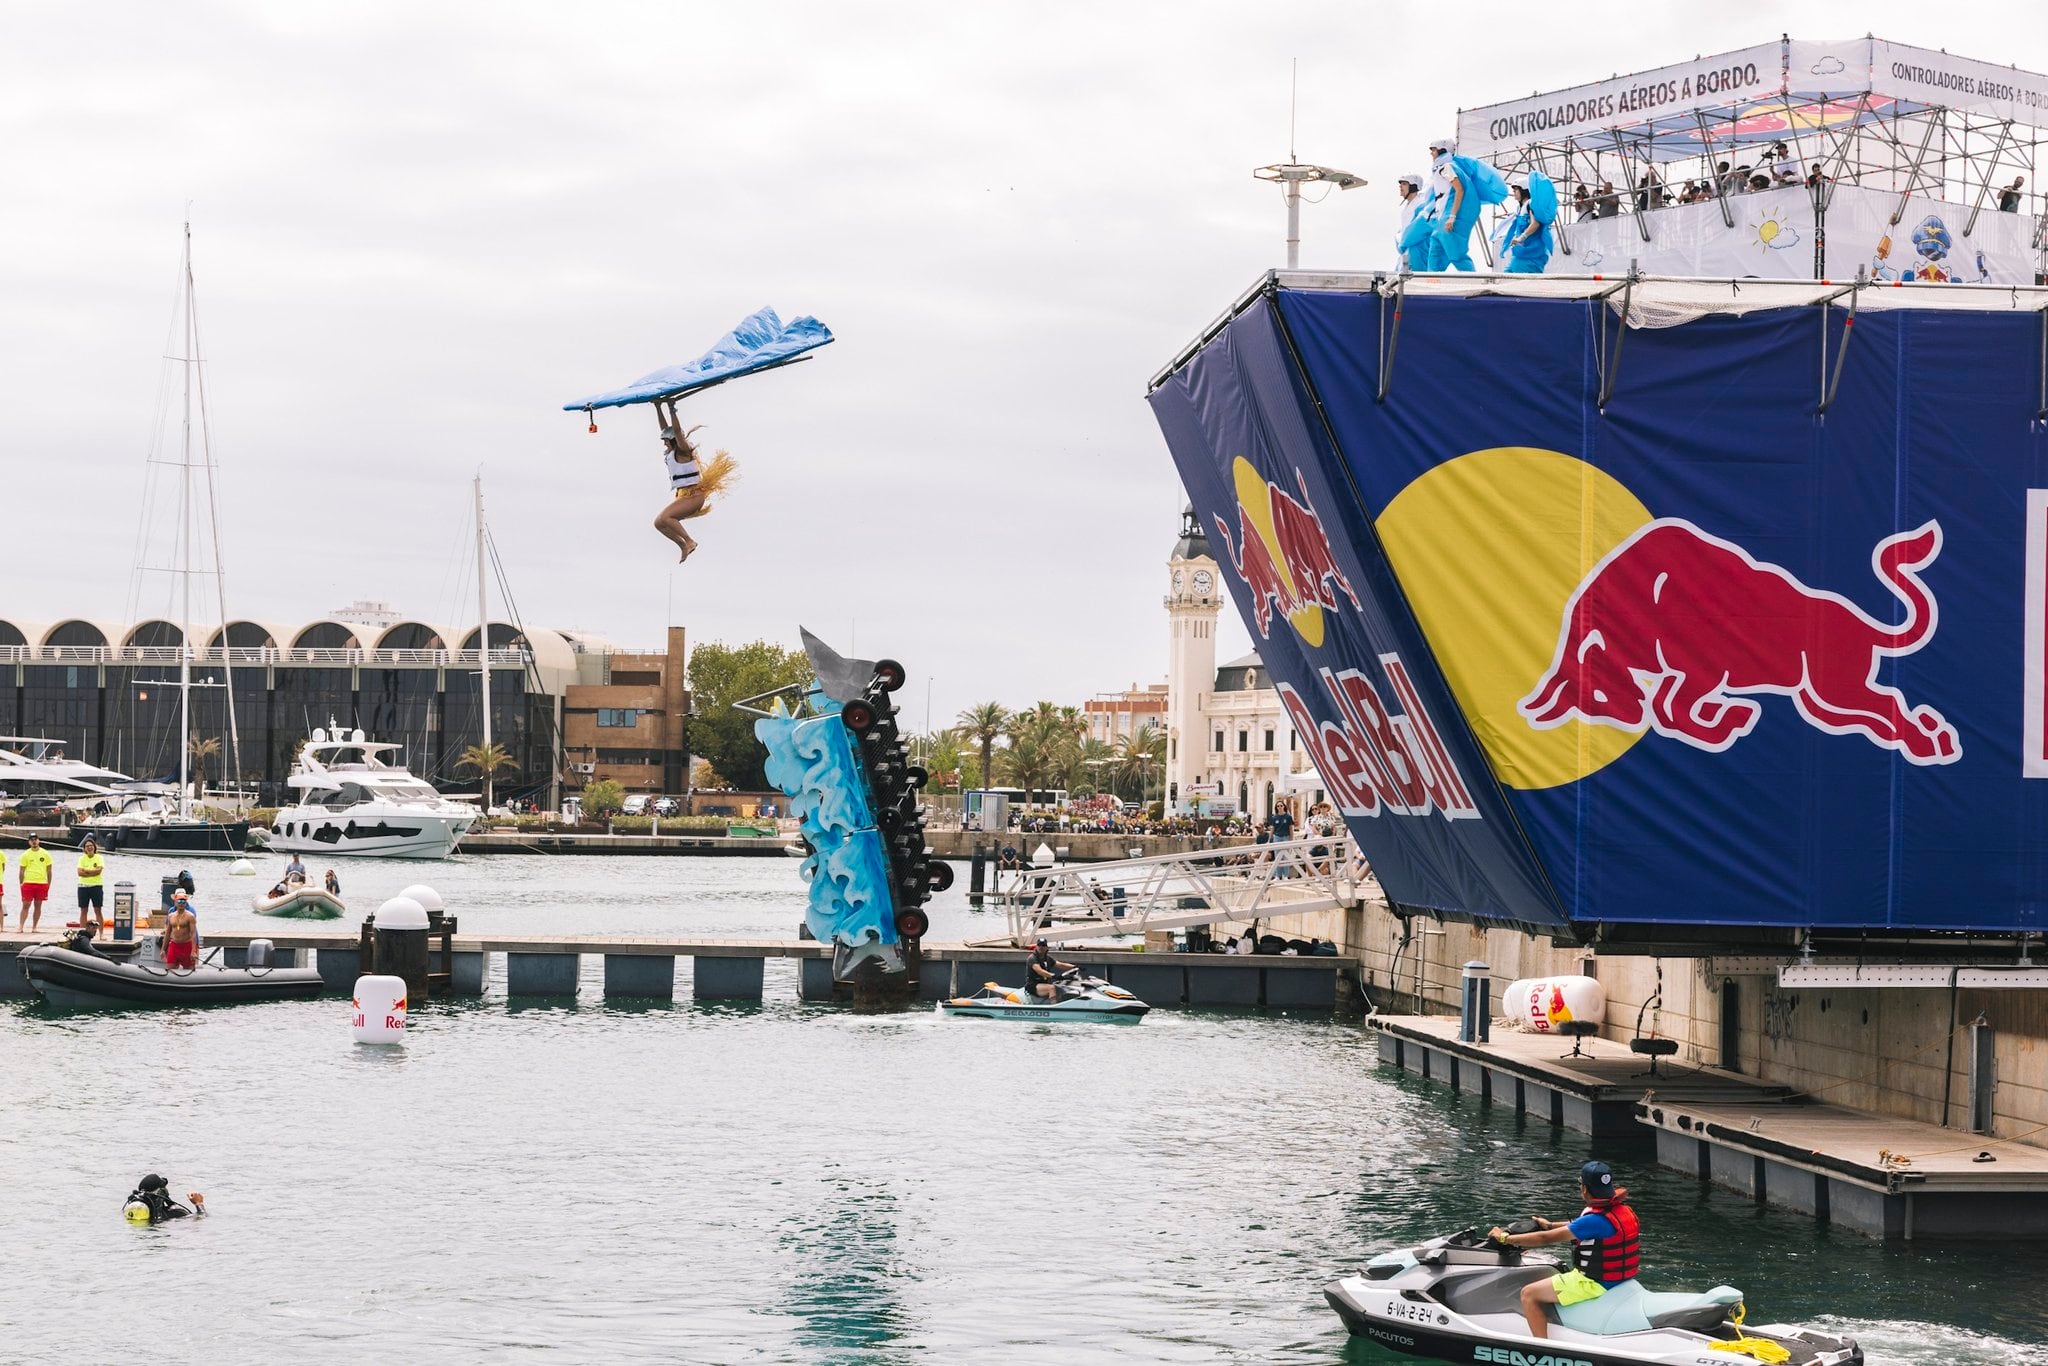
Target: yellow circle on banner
<point>1255,497</point>
<point>1488,548</point>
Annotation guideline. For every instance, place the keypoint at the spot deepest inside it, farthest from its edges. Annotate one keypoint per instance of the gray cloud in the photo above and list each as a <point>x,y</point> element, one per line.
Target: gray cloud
<point>422,228</point>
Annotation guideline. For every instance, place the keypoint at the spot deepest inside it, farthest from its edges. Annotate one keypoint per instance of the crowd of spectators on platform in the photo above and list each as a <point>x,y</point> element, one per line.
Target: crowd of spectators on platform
<point>1776,169</point>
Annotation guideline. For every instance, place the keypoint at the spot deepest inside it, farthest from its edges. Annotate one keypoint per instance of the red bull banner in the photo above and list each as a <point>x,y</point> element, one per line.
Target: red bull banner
<point>1704,657</point>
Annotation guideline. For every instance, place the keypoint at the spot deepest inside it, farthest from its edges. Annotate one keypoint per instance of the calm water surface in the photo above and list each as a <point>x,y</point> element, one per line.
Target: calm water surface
<point>787,1182</point>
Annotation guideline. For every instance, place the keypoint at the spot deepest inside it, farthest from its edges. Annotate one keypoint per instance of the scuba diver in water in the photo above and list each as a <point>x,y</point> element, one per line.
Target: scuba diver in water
<point>1042,970</point>
<point>151,1203</point>
<point>1604,1242</point>
<point>691,482</point>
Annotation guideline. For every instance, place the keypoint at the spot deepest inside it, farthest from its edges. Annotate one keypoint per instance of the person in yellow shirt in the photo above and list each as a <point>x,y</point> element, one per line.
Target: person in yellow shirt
<point>92,891</point>
<point>3,889</point>
<point>35,882</point>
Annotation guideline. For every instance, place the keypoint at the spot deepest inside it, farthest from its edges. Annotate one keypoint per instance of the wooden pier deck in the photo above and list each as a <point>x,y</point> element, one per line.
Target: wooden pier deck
<point>641,965</point>
<point>1768,1142</point>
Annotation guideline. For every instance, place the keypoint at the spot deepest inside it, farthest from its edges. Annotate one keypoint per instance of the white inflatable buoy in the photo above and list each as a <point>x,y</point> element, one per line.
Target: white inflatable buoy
<point>402,913</point>
<point>379,1009</point>
<point>241,867</point>
<point>1541,1004</point>
<point>427,897</point>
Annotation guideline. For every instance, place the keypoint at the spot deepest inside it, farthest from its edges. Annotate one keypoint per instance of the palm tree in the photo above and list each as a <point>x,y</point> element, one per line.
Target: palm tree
<point>487,760</point>
<point>945,759</point>
<point>200,750</point>
<point>982,725</point>
<point>1136,753</point>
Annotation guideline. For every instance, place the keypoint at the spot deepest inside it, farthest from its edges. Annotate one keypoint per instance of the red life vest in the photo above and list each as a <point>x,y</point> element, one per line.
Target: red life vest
<point>1613,1258</point>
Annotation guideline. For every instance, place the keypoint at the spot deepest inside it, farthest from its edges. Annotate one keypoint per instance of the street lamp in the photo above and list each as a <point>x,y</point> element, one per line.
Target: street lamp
<point>1294,175</point>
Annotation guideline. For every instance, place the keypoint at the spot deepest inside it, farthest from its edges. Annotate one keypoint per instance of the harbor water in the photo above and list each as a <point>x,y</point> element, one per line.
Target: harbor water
<point>783,1182</point>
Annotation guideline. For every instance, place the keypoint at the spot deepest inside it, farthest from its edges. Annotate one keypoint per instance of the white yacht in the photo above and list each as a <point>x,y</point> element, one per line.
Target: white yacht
<point>351,801</point>
<point>34,767</point>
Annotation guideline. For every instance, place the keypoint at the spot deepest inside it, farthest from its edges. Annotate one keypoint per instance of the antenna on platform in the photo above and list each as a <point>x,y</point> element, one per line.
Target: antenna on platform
<point>1293,173</point>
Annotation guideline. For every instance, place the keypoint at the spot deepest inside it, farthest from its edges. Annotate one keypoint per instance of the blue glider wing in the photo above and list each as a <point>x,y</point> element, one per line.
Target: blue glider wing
<point>762,341</point>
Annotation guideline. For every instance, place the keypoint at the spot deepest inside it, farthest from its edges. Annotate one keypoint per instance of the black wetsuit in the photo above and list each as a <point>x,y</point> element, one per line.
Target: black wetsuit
<point>161,1206</point>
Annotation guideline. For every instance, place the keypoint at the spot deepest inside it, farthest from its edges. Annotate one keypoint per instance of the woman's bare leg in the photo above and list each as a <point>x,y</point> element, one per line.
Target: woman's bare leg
<point>688,503</point>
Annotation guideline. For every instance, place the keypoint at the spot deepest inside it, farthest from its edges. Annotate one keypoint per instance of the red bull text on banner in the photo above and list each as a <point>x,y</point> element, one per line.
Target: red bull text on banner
<point>1700,656</point>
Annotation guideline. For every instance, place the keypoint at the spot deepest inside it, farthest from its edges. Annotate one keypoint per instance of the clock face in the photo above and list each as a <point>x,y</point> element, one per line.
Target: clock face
<point>1204,581</point>
<point>1179,577</point>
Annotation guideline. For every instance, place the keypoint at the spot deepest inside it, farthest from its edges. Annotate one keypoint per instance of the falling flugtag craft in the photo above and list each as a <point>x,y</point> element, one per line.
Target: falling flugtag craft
<point>762,341</point>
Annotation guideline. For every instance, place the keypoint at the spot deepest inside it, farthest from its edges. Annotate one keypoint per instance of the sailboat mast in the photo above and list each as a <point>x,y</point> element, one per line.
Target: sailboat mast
<point>184,556</point>
<point>483,629</point>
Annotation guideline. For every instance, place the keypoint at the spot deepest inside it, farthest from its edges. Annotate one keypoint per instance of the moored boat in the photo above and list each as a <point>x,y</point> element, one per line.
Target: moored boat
<point>78,974</point>
<point>300,902</point>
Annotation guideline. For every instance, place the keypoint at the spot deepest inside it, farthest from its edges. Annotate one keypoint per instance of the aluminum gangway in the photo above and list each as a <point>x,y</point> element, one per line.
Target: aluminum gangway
<point>1180,891</point>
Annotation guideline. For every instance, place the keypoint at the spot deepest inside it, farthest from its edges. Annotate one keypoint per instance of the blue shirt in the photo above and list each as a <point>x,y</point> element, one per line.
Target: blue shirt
<point>1589,1228</point>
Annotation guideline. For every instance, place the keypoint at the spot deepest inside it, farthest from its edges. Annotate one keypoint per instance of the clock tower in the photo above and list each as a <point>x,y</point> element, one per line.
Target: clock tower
<point>1193,600</point>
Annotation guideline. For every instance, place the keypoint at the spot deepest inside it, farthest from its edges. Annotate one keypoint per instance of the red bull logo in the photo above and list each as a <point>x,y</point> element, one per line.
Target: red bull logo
<point>1677,631</point>
<point>1374,758</point>
<point>1282,555</point>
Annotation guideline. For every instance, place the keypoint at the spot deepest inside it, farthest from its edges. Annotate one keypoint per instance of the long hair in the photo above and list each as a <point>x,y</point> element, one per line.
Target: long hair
<point>721,472</point>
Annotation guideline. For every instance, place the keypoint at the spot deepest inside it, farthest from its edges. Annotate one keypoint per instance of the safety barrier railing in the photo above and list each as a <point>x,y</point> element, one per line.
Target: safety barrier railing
<point>1178,891</point>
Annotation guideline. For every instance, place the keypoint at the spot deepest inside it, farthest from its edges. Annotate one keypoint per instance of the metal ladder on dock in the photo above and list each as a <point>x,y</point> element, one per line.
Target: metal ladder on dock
<point>1180,891</point>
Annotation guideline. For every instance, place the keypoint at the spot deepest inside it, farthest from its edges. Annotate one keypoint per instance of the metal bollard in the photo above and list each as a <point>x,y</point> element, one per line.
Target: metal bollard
<point>1475,1006</point>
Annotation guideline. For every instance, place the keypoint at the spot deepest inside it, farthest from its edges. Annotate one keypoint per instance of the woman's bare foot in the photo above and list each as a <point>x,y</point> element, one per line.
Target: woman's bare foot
<point>687,545</point>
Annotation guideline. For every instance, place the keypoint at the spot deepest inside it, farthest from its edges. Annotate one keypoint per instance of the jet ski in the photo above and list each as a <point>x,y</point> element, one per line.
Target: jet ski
<point>81,975</point>
<point>1457,1298</point>
<point>1079,998</point>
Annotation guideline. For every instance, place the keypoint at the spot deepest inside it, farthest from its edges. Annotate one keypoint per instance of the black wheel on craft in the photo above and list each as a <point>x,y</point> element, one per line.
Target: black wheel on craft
<point>889,675</point>
<point>940,875</point>
<point>912,923</point>
<point>858,716</point>
<point>916,776</point>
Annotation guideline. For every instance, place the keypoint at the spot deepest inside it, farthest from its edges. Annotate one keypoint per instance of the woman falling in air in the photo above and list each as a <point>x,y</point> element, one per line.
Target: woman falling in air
<point>692,483</point>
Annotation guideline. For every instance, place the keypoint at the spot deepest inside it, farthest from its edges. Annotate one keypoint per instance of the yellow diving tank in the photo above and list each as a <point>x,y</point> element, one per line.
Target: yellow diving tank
<point>135,1212</point>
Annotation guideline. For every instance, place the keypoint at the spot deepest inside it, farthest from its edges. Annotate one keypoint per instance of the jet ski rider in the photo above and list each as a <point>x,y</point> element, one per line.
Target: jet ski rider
<point>1604,1252</point>
<point>1042,970</point>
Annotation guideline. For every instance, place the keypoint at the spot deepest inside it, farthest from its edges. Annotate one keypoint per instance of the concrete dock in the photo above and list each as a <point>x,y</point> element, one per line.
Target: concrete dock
<point>644,967</point>
<point>1876,1174</point>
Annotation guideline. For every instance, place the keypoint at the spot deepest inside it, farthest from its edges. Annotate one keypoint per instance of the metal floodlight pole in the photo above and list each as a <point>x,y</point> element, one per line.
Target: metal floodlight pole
<point>1294,175</point>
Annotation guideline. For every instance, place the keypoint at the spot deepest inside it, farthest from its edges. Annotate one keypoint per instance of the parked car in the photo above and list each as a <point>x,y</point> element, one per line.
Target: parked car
<point>668,806</point>
<point>636,805</point>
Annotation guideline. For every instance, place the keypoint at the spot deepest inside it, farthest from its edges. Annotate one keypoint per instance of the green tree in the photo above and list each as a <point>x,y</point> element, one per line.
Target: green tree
<point>200,749</point>
<point>1045,747</point>
<point>603,799</point>
<point>1138,755</point>
<point>486,760</point>
<point>983,725</point>
<point>721,675</point>
<point>945,758</point>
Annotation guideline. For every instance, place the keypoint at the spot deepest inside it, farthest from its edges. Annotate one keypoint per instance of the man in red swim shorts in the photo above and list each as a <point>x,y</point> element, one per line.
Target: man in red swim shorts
<point>181,935</point>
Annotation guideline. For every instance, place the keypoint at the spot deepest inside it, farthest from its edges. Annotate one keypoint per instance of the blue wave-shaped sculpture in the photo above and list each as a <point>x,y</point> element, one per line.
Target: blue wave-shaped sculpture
<point>811,761</point>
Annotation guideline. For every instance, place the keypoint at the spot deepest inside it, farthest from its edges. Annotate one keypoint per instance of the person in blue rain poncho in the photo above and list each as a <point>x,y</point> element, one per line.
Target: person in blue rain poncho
<point>1465,184</point>
<point>1526,247</point>
<point>1414,226</point>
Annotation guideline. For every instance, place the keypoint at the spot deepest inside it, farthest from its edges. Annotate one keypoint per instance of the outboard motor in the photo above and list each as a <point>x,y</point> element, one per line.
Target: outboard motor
<point>262,954</point>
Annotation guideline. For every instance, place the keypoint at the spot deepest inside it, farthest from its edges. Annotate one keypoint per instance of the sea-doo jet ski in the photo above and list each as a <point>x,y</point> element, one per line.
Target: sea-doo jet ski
<point>1079,998</point>
<point>1458,1298</point>
<point>81,975</point>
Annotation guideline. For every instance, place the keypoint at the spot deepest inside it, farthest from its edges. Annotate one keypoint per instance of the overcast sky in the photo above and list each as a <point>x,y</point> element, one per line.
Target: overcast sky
<point>420,228</point>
